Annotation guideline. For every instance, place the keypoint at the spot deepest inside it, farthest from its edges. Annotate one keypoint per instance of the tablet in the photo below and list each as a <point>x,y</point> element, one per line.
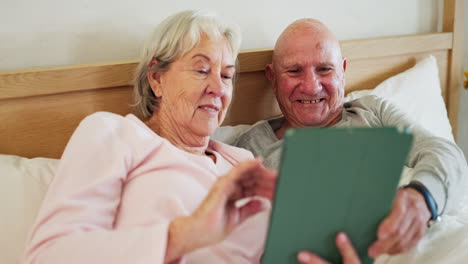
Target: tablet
<point>333,180</point>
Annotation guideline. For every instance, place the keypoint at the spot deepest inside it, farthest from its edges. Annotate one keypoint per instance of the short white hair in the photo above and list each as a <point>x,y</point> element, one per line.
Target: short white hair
<point>172,38</point>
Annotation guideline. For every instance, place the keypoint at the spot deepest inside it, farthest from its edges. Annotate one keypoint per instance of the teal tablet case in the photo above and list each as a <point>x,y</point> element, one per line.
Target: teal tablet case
<point>332,180</point>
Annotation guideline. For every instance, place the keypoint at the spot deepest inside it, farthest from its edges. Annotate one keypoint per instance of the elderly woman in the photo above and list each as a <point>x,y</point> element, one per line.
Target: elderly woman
<point>159,190</point>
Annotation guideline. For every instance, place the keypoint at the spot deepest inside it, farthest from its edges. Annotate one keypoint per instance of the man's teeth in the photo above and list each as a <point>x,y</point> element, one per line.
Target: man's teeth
<point>208,108</point>
<point>310,101</point>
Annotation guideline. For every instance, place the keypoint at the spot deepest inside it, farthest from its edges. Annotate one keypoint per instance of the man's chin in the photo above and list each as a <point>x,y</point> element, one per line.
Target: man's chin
<point>314,124</point>
<point>307,123</point>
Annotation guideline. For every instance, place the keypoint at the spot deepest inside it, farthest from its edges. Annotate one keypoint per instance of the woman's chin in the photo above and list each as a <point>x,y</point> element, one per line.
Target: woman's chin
<point>206,130</point>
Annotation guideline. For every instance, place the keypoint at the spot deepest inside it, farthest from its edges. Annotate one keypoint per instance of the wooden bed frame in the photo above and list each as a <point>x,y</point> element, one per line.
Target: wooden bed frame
<point>40,108</point>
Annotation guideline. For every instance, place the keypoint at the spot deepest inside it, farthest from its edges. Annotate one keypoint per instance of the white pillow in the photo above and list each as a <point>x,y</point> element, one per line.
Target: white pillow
<point>417,92</point>
<point>24,184</point>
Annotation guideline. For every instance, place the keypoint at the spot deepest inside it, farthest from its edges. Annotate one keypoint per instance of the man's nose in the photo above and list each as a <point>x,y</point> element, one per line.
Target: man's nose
<point>311,83</point>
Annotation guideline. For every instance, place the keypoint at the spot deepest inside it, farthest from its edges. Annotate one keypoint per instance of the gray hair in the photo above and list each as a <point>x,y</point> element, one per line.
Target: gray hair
<point>172,38</point>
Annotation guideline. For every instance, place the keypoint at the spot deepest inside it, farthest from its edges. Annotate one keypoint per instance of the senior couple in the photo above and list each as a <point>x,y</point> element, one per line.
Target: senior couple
<point>159,190</point>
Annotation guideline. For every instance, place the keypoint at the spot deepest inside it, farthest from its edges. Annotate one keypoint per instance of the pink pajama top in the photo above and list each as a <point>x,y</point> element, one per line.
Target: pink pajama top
<point>117,188</point>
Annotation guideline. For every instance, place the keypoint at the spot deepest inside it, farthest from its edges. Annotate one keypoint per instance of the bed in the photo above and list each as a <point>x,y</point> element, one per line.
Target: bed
<point>40,108</point>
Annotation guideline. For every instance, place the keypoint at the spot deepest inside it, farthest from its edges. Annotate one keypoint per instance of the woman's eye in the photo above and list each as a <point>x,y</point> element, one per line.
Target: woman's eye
<point>227,77</point>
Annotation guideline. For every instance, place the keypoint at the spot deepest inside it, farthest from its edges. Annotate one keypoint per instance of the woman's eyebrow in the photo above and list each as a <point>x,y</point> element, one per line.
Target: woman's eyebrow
<point>230,66</point>
<point>209,60</point>
<point>201,55</point>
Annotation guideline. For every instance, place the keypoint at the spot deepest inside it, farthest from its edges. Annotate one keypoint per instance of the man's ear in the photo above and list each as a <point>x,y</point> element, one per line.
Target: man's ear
<point>154,78</point>
<point>344,70</point>
<point>270,75</point>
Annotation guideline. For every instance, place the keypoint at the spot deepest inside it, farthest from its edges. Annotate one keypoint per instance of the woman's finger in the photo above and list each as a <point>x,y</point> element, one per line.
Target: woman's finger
<point>256,181</point>
<point>251,208</point>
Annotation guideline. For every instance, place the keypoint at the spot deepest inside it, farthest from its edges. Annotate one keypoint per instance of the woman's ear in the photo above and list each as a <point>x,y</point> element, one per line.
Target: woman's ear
<point>154,78</point>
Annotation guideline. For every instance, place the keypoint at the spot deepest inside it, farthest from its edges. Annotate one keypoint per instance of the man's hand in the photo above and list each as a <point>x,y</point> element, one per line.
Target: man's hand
<point>406,224</point>
<point>346,250</point>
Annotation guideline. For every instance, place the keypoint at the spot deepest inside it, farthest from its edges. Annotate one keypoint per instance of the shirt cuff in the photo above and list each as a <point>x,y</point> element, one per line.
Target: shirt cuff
<point>435,186</point>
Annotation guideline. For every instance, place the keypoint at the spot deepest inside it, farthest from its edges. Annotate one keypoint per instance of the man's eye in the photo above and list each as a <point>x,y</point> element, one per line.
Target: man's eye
<point>324,69</point>
<point>226,77</point>
<point>204,72</point>
<point>293,71</point>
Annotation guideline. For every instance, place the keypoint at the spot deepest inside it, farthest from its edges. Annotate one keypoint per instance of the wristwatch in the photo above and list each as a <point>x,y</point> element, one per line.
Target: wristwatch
<point>430,202</point>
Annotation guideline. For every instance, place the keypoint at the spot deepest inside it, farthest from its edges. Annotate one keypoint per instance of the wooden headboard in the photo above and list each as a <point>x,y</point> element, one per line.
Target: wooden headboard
<point>40,108</point>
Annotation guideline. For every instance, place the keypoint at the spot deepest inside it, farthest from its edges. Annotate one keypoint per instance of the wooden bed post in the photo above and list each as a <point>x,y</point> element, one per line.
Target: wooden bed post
<point>453,22</point>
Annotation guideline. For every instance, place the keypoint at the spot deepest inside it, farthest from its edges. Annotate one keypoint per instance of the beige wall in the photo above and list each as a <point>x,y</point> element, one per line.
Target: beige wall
<point>62,32</point>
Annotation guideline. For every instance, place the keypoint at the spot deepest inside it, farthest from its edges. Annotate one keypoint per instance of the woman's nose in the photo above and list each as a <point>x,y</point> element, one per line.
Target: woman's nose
<point>216,85</point>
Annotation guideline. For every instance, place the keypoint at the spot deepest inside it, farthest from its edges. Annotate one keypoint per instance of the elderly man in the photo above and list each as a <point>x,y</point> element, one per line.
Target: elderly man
<point>308,77</point>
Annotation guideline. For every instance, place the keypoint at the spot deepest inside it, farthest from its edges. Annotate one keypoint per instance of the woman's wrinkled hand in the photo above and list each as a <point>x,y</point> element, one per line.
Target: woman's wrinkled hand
<point>220,212</point>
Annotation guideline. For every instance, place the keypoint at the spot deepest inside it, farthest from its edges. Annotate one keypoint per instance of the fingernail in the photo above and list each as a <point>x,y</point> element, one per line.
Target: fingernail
<point>304,257</point>
<point>342,237</point>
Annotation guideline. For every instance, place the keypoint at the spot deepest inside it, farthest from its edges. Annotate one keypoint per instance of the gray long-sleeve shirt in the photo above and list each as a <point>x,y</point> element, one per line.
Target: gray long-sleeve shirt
<point>437,163</point>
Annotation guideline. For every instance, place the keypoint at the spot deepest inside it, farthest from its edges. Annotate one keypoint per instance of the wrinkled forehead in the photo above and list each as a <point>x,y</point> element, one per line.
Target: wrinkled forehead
<point>316,48</point>
<point>211,50</point>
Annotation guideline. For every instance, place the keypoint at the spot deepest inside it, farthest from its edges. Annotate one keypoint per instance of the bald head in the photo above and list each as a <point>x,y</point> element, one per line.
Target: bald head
<point>307,75</point>
<point>302,29</point>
